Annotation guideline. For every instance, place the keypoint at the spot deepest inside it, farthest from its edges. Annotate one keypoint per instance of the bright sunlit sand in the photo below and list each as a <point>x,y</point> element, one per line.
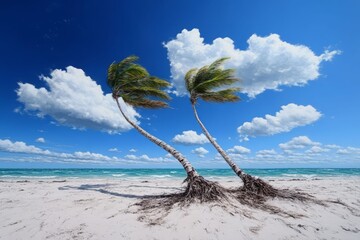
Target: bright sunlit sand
<point>105,209</point>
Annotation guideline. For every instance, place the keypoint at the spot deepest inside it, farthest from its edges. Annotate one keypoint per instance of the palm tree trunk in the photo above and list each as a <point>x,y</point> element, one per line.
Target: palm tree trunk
<point>251,184</point>
<point>233,165</point>
<point>190,170</point>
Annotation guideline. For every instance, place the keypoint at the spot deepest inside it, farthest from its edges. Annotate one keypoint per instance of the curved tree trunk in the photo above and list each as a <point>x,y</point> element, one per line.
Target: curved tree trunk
<point>191,172</point>
<point>233,166</point>
<point>251,184</point>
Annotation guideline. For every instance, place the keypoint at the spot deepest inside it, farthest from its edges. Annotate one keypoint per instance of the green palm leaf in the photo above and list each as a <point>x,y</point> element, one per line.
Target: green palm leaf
<point>209,83</point>
<point>218,79</point>
<point>227,95</point>
<point>189,78</point>
<point>135,85</point>
<point>143,102</point>
<point>146,91</point>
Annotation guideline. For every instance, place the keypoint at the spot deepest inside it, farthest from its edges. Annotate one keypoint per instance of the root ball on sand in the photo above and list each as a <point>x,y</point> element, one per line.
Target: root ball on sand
<point>257,186</point>
<point>197,189</point>
<point>203,190</point>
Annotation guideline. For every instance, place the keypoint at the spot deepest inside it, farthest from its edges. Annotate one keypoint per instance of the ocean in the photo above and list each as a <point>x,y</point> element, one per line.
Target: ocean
<point>288,173</point>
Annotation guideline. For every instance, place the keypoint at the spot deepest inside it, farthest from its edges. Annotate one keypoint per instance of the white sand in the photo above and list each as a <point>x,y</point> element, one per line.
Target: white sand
<point>101,209</point>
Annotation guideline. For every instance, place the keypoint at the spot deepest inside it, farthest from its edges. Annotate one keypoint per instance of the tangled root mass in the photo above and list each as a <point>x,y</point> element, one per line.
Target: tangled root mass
<point>197,189</point>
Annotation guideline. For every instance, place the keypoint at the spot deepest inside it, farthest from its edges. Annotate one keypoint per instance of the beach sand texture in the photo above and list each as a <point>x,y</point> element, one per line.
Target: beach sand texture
<point>104,209</point>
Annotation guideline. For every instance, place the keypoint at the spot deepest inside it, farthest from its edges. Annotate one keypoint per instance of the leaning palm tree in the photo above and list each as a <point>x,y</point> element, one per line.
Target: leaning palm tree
<point>211,83</point>
<point>131,82</point>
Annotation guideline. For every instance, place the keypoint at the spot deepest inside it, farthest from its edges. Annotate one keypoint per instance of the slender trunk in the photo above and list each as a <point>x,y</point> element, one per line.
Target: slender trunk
<point>233,166</point>
<point>191,172</point>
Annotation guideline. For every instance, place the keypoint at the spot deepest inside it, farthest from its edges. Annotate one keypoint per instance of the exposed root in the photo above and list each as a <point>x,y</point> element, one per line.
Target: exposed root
<point>254,194</point>
<point>258,201</point>
<point>203,190</point>
<point>256,186</point>
<point>353,210</point>
<point>198,189</point>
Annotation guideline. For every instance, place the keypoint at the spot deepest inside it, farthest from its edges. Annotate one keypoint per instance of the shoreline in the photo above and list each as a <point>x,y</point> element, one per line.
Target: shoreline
<point>170,178</point>
<point>104,209</point>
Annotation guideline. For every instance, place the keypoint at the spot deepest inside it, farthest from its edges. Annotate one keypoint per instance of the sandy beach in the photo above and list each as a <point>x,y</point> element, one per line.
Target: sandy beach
<point>104,209</point>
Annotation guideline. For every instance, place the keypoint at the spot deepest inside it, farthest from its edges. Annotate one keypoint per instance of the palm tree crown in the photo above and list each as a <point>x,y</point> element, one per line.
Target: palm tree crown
<point>135,86</point>
<point>208,83</point>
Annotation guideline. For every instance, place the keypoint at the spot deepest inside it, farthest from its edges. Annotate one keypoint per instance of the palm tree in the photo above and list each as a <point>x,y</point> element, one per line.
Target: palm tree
<point>138,88</point>
<point>211,83</point>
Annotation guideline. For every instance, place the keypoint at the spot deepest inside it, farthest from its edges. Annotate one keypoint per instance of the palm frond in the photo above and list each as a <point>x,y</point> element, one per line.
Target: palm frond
<point>189,78</point>
<point>133,83</point>
<point>209,83</point>
<point>217,63</point>
<point>126,69</point>
<point>201,75</point>
<point>212,76</point>
<point>144,91</point>
<point>143,102</point>
<point>227,95</point>
<point>216,79</point>
<point>149,81</point>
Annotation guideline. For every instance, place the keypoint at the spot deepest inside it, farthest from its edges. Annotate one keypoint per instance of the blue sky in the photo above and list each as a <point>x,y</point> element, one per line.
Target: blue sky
<point>297,61</point>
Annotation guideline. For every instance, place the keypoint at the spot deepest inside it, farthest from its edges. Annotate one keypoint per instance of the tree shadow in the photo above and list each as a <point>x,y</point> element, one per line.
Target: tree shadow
<point>156,187</point>
<point>100,188</point>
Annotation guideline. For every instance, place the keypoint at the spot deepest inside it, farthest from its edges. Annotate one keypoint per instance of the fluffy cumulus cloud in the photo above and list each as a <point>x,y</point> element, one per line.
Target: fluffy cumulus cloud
<point>298,151</point>
<point>266,153</point>
<point>348,151</point>
<point>289,117</point>
<point>267,63</point>
<point>34,154</point>
<point>74,99</point>
<point>113,150</point>
<point>298,143</point>
<point>146,158</point>
<point>20,147</point>
<point>317,150</point>
<point>239,150</point>
<point>40,140</point>
<point>200,151</point>
<point>190,138</point>
<point>7,145</point>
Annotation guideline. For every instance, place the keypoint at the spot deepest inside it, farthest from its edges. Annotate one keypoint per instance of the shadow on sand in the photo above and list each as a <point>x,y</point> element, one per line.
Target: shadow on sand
<point>102,189</point>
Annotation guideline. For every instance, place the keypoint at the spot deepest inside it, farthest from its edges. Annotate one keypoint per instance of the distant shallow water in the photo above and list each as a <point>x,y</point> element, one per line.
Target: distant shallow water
<point>287,173</point>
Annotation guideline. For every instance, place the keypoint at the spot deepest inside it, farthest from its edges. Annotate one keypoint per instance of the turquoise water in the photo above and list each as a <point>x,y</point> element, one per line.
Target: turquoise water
<point>175,173</point>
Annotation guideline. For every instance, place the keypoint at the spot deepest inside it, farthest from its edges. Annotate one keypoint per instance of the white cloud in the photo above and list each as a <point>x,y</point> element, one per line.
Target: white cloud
<point>343,151</point>
<point>200,151</point>
<point>298,143</point>
<point>316,150</point>
<point>49,156</point>
<point>239,150</point>
<point>20,147</point>
<point>114,150</point>
<point>190,138</point>
<point>289,117</point>
<point>146,158</point>
<point>133,150</point>
<point>348,151</point>
<point>40,140</point>
<point>267,154</point>
<point>332,146</point>
<point>299,151</point>
<point>74,99</point>
<point>267,63</point>
<point>90,155</point>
